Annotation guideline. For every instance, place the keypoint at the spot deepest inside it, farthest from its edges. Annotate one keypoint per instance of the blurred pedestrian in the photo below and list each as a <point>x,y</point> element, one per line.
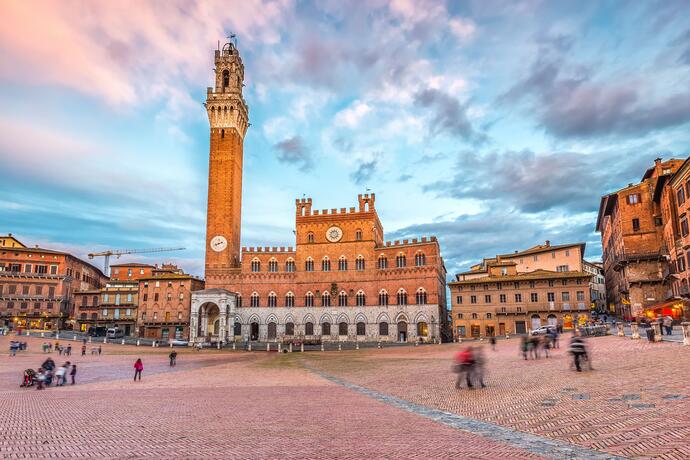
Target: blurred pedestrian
<point>492,341</point>
<point>60,374</point>
<point>69,350</point>
<point>138,367</point>
<point>524,346</point>
<point>40,378</point>
<point>464,360</point>
<point>668,324</point>
<point>173,358</point>
<point>478,368</point>
<point>99,350</point>
<point>73,372</point>
<point>577,349</point>
<point>13,348</point>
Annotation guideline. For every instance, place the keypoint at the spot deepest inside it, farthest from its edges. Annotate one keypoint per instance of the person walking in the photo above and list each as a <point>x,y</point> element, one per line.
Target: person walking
<point>577,349</point>
<point>13,348</point>
<point>99,350</point>
<point>492,341</point>
<point>60,374</point>
<point>464,360</point>
<point>478,368</point>
<point>173,358</point>
<point>83,350</point>
<point>69,350</point>
<point>40,378</point>
<point>524,346</point>
<point>138,367</point>
<point>73,372</point>
<point>668,324</point>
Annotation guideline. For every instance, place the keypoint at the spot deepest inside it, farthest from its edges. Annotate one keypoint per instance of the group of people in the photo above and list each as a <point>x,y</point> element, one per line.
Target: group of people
<point>469,365</point>
<point>48,374</point>
<point>533,345</point>
<point>16,346</point>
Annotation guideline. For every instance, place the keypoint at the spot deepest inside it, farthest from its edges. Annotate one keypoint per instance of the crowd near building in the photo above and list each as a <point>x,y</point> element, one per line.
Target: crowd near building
<point>522,291</point>
<point>646,243</point>
<point>341,281</point>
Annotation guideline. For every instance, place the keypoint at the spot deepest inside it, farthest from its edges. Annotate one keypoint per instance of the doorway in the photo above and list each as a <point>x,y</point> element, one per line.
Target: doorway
<point>271,330</point>
<point>501,328</point>
<point>536,322</point>
<point>254,332</point>
<point>520,327</point>
<point>402,331</point>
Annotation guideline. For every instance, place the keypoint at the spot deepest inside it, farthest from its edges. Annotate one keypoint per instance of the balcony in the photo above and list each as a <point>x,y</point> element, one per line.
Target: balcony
<point>623,259</point>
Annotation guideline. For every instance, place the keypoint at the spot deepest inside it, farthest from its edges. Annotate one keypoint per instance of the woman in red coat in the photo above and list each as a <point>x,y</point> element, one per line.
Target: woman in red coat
<point>138,367</point>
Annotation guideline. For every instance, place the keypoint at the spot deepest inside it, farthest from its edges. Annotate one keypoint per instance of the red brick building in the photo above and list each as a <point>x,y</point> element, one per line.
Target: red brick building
<point>341,280</point>
<point>635,249</point>
<point>38,285</point>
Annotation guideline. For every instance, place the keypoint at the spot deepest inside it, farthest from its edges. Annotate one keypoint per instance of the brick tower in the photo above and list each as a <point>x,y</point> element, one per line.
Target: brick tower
<point>229,118</point>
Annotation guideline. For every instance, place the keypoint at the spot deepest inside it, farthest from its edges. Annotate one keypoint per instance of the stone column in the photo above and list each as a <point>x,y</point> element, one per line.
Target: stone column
<point>685,325</point>
<point>657,330</point>
<point>193,326</point>
<point>204,323</point>
<point>222,322</point>
<point>635,331</point>
<point>621,332</point>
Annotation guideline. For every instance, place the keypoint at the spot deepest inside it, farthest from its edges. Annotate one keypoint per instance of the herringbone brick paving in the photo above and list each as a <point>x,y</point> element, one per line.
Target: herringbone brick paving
<point>213,404</point>
<point>634,404</point>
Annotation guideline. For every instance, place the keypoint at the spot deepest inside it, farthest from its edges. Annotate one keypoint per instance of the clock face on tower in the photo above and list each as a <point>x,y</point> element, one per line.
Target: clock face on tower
<point>334,234</point>
<point>219,243</point>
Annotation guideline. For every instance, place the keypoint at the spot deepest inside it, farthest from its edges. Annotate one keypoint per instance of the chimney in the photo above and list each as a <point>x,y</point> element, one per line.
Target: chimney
<point>548,243</point>
<point>657,160</point>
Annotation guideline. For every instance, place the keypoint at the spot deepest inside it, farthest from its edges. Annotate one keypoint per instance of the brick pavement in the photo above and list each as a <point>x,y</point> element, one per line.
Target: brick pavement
<point>634,404</point>
<point>214,404</point>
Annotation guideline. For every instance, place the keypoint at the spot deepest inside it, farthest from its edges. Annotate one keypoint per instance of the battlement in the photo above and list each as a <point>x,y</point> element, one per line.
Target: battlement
<point>398,243</point>
<point>303,207</point>
<point>268,249</point>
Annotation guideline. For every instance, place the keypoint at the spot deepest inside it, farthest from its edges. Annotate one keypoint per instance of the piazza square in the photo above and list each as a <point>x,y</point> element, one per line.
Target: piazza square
<point>240,404</point>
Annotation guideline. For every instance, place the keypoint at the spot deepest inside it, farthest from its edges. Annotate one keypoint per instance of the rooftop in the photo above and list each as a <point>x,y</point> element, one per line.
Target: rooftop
<point>529,276</point>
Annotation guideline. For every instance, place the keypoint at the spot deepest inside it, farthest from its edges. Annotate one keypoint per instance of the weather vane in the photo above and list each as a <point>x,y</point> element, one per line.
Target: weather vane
<point>232,37</point>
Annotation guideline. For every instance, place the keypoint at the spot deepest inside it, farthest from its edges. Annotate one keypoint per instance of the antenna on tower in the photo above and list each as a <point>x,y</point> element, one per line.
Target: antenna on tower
<point>233,38</point>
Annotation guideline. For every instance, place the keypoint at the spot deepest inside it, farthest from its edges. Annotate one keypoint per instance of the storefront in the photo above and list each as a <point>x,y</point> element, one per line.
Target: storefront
<point>675,309</point>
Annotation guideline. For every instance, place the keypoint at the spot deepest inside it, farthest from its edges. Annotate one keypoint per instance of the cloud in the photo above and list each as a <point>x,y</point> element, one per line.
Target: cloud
<point>366,169</point>
<point>462,28</point>
<point>570,101</point>
<point>536,182</point>
<point>448,116</point>
<point>294,151</point>
<point>405,177</point>
<point>351,116</point>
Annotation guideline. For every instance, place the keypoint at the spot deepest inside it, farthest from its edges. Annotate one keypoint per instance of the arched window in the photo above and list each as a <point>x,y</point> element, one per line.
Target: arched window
<point>254,299</point>
<point>237,329</point>
<point>400,261</point>
<point>239,301</point>
<point>272,265</point>
<point>326,299</point>
<point>361,328</point>
<point>309,299</point>
<point>309,329</point>
<point>226,78</point>
<point>83,315</point>
<point>309,265</point>
<point>383,328</point>
<point>342,299</point>
<point>290,266</point>
<point>402,297</point>
<point>342,329</point>
<point>289,299</point>
<point>342,263</point>
<point>358,235</point>
<point>383,298</point>
<point>256,265</point>
<point>361,299</point>
<point>382,262</point>
<point>326,329</point>
<point>359,263</point>
<point>421,296</point>
<point>289,328</point>
<point>474,316</point>
<point>326,264</point>
<point>459,315</point>
<point>488,316</point>
<point>422,329</point>
<point>419,259</point>
<point>272,300</point>
<point>310,237</point>
<point>272,332</point>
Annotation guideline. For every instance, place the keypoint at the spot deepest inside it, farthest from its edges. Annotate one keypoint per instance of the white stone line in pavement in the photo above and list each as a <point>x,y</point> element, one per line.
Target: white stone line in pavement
<point>549,448</point>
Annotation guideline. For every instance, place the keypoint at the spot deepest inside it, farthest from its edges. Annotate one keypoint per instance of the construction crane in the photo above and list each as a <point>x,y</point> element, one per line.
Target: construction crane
<point>120,252</point>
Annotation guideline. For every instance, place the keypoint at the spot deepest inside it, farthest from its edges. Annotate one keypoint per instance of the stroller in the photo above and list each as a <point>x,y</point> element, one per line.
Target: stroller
<point>29,378</point>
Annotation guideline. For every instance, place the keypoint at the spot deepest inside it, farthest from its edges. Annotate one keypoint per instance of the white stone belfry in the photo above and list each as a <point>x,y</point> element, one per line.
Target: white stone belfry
<point>209,307</point>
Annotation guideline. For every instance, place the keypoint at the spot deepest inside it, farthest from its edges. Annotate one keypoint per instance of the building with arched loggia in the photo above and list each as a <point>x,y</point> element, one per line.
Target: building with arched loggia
<point>340,281</point>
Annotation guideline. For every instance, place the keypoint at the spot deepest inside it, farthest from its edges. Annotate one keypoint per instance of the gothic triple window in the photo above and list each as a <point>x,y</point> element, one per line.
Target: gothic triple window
<point>256,265</point>
<point>400,261</point>
<point>421,296</point>
<point>309,265</point>
<point>273,266</point>
<point>359,263</point>
<point>419,259</point>
<point>326,299</point>
<point>383,298</point>
<point>309,300</point>
<point>326,264</point>
<point>361,299</point>
<point>342,299</point>
<point>239,301</point>
<point>402,297</point>
<point>290,266</point>
<point>290,299</point>
<point>272,300</point>
<point>342,263</point>
<point>382,262</point>
<point>254,299</point>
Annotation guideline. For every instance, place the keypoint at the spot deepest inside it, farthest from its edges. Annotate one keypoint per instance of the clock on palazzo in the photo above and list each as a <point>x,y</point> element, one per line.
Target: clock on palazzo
<point>334,234</point>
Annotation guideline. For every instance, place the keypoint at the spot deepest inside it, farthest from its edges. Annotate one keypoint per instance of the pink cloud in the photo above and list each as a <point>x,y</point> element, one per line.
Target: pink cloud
<point>116,50</point>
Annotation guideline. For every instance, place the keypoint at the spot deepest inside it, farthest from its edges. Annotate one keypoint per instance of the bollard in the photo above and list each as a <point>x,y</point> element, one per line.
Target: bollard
<point>250,347</point>
<point>290,347</point>
<point>74,337</point>
<point>481,338</point>
<point>233,346</point>
<point>621,332</point>
<point>378,345</point>
<point>268,346</point>
<point>301,347</point>
<point>357,346</point>
<point>416,343</point>
<point>170,344</point>
<point>123,341</point>
<point>635,330</point>
<point>57,335</point>
<point>340,347</point>
<point>153,344</point>
<point>685,325</point>
<point>105,340</point>
<point>43,334</point>
<point>90,339</point>
<point>657,330</point>
<point>138,342</point>
<point>507,336</point>
<point>322,347</point>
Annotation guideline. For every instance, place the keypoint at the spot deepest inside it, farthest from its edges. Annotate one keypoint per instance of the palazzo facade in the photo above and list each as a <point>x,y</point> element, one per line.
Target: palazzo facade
<point>341,281</point>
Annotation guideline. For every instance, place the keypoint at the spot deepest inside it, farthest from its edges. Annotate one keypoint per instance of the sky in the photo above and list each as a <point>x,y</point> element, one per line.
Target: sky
<point>492,125</point>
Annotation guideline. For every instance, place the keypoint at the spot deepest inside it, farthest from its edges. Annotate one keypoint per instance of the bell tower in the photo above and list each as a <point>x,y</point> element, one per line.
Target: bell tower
<point>228,117</point>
